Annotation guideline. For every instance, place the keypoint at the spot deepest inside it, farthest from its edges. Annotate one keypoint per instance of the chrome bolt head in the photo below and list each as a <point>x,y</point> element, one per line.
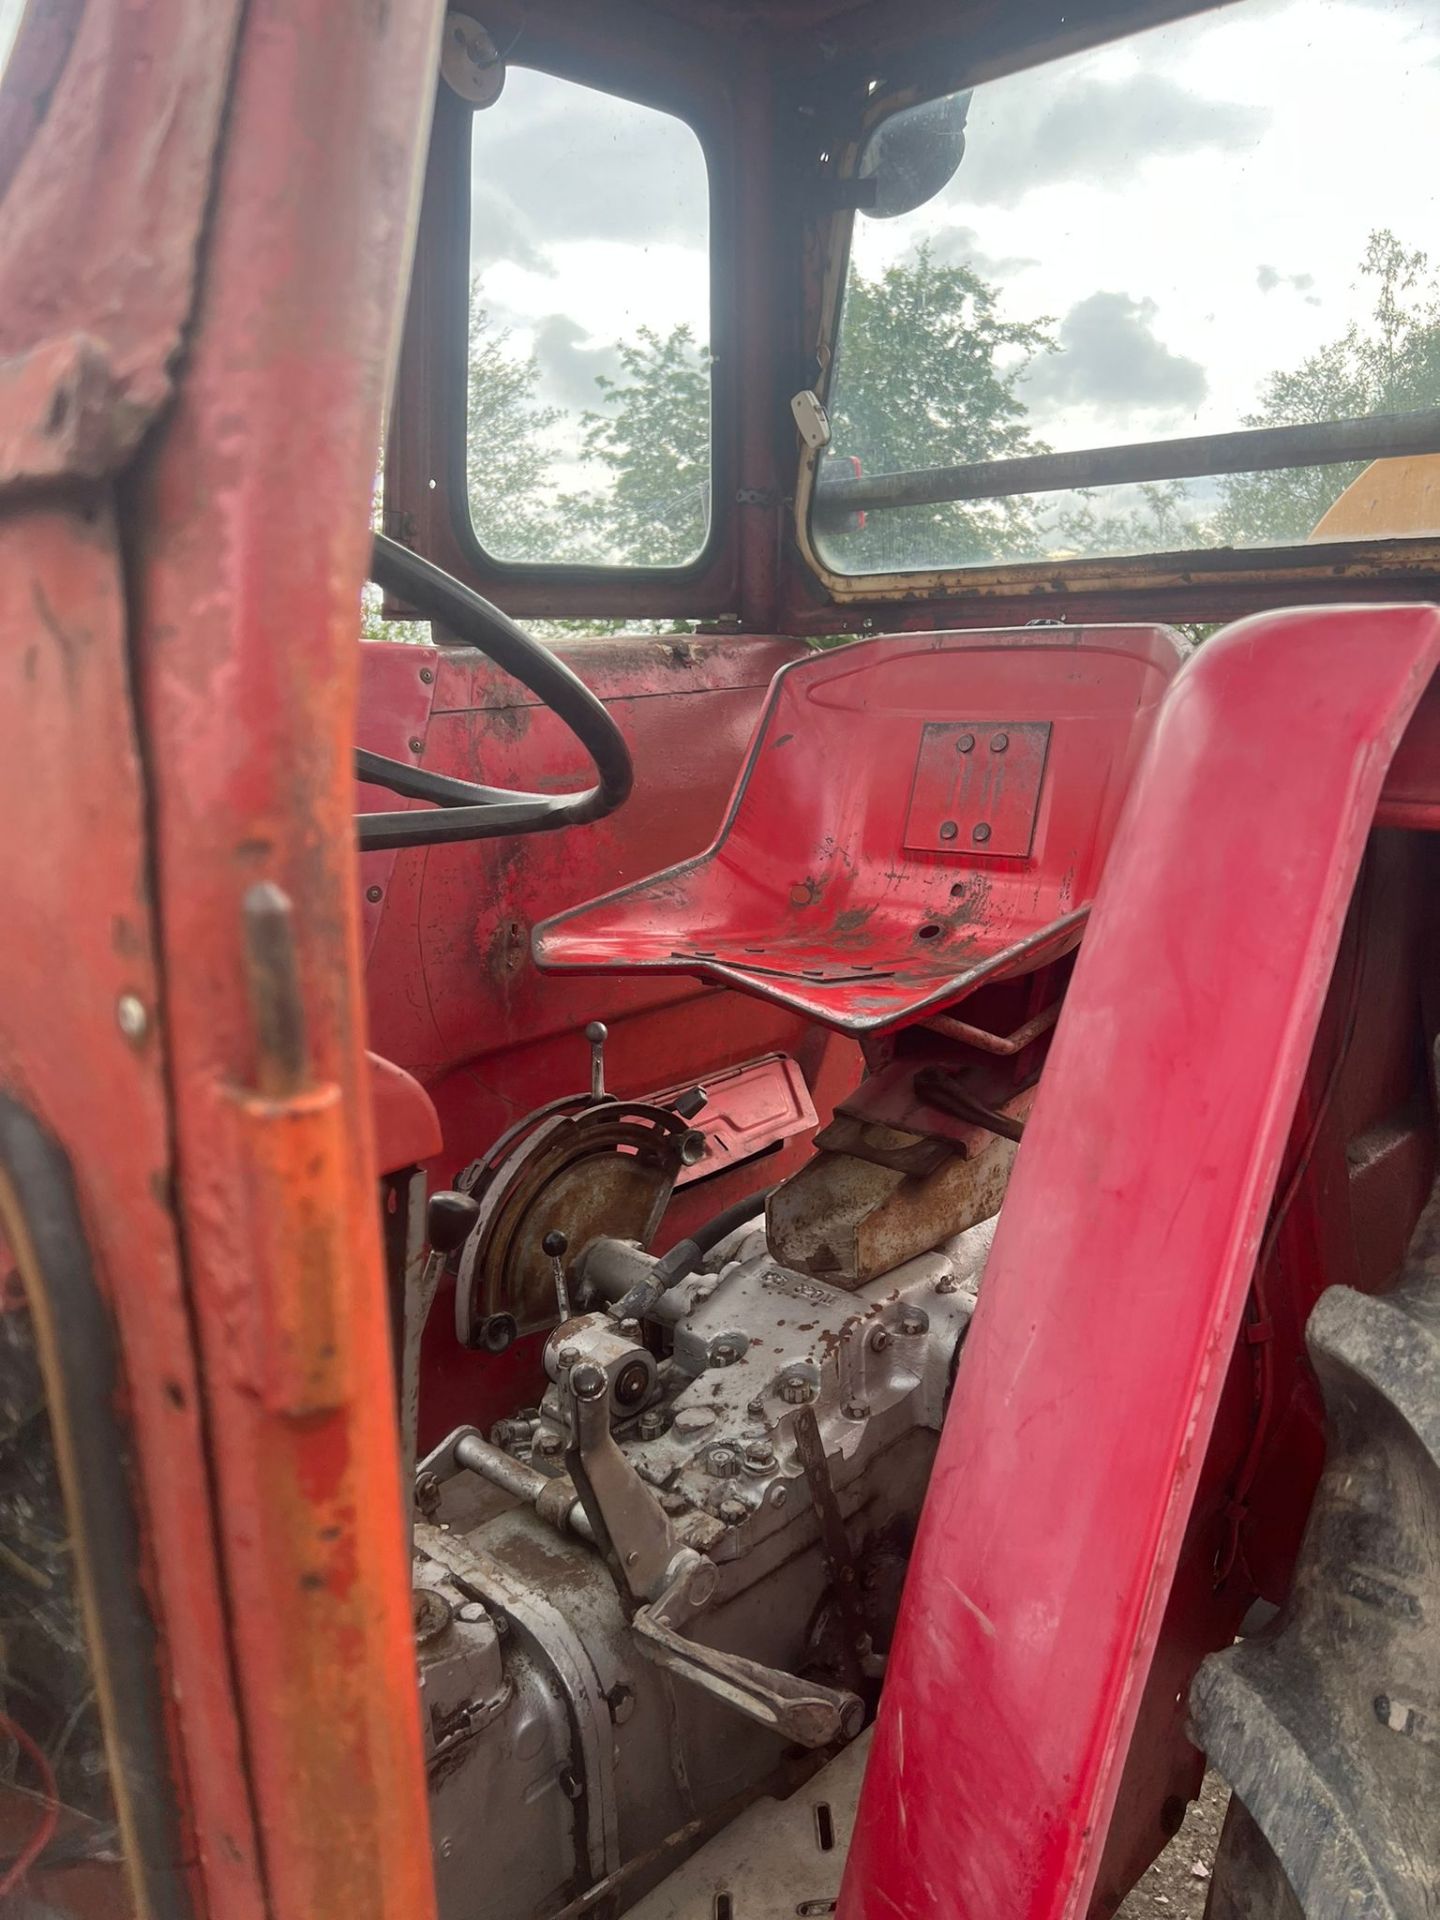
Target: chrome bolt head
<point>587,1381</point>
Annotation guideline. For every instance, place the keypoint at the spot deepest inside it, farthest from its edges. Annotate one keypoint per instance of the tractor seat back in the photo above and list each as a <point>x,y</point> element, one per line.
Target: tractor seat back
<point>916,815</point>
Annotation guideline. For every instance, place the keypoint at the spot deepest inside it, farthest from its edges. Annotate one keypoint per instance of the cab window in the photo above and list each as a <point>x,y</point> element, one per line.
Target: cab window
<point>588,393</point>
<point>1214,227</point>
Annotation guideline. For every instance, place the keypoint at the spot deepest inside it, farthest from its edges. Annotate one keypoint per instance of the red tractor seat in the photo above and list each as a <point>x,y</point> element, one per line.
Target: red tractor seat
<point>916,815</point>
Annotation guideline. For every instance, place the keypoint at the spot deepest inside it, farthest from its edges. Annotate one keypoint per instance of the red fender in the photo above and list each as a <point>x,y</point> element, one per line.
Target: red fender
<point>1111,1303</point>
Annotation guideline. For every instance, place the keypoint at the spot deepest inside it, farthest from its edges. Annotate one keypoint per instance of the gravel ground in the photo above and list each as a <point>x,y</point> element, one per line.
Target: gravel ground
<point>1178,1882</point>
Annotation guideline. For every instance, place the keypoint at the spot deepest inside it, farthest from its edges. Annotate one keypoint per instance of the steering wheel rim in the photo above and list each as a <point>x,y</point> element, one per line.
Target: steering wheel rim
<point>463,810</point>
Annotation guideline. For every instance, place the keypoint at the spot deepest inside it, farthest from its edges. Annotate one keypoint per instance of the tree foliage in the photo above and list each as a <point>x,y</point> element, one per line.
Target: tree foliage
<point>507,456</point>
<point>1389,364</point>
<point>927,376</point>
<point>651,437</point>
<point>507,463</point>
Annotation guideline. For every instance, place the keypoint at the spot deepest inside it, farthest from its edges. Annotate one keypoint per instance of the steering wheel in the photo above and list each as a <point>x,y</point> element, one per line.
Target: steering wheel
<point>465,811</point>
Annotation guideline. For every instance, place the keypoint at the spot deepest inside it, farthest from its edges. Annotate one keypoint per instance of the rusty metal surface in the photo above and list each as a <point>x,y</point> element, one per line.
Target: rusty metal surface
<point>977,785</point>
<point>255,496</point>
<point>603,1171</point>
<point>118,157</point>
<point>1004,1044</point>
<point>847,1220</point>
<point>895,1095</point>
<point>82,1047</point>
<point>62,415</point>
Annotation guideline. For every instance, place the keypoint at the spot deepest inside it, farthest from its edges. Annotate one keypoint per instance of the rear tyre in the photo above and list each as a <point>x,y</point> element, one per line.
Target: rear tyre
<point>1327,1725</point>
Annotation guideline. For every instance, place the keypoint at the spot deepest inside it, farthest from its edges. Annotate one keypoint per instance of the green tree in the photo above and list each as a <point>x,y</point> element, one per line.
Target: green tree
<point>651,438</point>
<point>507,463</point>
<point>1161,522</point>
<point>507,454</point>
<point>1390,364</point>
<point>926,376</point>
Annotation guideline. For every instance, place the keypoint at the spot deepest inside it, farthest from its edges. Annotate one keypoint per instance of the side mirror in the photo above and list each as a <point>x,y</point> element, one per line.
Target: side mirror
<point>913,154</point>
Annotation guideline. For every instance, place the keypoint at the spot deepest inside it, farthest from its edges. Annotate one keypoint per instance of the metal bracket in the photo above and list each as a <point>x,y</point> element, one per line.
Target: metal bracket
<point>630,1526</point>
<point>834,1544</point>
<point>467,1450</point>
<point>943,1089</point>
<point>801,1711</point>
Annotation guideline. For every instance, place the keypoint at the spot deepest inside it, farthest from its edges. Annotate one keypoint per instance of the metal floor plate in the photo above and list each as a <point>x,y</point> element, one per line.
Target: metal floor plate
<point>779,1860</point>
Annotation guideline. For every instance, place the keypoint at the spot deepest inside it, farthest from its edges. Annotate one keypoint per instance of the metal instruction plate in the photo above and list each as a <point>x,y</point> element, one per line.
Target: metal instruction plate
<point>977,787</point>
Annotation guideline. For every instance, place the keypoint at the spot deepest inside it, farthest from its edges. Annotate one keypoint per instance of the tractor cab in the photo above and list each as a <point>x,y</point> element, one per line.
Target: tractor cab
<point>717,1203</point>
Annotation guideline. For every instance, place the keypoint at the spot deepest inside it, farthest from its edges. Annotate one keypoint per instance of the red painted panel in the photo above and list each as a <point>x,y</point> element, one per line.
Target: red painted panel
<point>407,1128</point>
<point>247,536</point>
<point>454,996</point>
<point>1411,797</point>
<point>747,1109</point>
<point>1093,1370</point>
<point>449,975</point>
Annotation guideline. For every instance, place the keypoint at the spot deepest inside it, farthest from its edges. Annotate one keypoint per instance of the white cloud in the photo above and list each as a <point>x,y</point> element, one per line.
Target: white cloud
<point>1330,120</point>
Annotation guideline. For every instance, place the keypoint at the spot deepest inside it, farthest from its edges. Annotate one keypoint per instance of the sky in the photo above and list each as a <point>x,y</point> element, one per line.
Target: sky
<point>1188,207</point>
<point>589,219</point>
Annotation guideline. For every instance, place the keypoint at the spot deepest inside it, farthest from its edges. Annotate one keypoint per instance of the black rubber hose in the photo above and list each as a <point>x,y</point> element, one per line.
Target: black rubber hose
<point>685,1256</point>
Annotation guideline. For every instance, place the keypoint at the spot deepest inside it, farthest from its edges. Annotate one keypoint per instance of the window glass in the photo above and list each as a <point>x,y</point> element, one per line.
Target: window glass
<point>588,428</point>
<point>1214,225</point>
